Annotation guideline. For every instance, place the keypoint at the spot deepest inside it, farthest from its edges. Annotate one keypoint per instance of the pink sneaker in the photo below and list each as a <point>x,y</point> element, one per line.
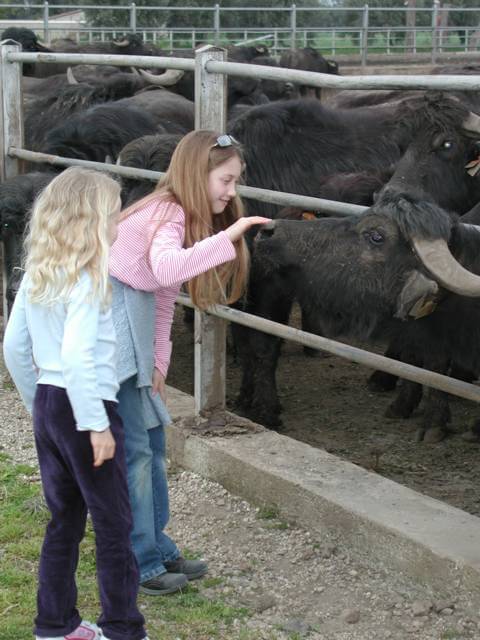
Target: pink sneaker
<point>85,631</point>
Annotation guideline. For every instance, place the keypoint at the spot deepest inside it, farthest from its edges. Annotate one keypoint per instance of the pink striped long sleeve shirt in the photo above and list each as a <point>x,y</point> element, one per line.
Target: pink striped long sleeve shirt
<point>166,266</point>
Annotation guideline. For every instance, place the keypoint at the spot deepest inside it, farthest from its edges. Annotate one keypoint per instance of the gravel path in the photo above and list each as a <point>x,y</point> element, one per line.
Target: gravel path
<point>295,583</point>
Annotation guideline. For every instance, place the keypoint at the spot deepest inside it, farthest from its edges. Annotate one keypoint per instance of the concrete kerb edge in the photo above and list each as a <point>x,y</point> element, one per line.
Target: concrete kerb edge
<point>445,567</point>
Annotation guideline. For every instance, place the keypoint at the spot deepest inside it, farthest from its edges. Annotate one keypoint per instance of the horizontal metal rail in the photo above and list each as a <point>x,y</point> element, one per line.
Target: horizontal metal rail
<point>184,64</point>
<point>253,193</point>
<point>400,369</point>
<point>441,82</point>
<point>287,9</point>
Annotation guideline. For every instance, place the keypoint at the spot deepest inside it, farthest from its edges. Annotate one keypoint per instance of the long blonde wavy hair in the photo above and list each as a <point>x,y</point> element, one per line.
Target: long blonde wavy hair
<point>186,183</point>
<point>68,233</point>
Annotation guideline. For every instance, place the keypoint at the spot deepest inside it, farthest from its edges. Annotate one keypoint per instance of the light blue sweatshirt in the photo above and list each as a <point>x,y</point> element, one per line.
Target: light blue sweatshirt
<point>70,345</point>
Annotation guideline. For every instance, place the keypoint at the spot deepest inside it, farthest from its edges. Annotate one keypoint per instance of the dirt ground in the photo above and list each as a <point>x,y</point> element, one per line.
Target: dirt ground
<point>326,404</point>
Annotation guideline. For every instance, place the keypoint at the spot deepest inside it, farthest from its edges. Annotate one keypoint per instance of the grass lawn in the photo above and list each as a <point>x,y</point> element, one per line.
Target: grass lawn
<point>188,615</point>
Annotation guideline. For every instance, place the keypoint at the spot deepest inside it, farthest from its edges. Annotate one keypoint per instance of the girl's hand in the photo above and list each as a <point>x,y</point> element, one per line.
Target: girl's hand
<point>158,385</point>
<point>238,228</point>
<point>103,445</point>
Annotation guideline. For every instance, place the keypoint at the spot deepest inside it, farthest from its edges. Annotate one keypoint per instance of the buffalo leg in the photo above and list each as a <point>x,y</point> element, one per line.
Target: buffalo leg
<point>406,401</point>
<point>259,352</point>
<point>436,414</point>
<point>381,381</point>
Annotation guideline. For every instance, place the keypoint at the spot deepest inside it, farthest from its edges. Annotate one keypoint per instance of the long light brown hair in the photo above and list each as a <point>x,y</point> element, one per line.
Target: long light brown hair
<point>186,183</point>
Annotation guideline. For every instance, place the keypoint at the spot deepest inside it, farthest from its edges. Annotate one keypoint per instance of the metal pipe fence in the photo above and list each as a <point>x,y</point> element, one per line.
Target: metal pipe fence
<point>358,31</point>
<point>210,97</point>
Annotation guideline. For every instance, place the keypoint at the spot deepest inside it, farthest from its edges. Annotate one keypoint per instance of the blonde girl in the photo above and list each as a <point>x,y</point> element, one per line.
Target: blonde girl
<point>189,229</point>
<point>59,347</point>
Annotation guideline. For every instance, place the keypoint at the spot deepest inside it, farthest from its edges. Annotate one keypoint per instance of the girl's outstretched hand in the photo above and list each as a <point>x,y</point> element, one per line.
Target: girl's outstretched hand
<point>238,228</point>
<point>103,445</point>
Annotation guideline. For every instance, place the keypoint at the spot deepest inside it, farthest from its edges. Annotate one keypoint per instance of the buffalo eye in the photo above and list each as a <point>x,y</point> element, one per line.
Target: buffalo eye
<point>374,237</point>
<point>448,144</point>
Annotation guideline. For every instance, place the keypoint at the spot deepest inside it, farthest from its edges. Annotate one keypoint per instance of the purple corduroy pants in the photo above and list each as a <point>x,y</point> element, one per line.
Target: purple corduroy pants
<point>73,486</point>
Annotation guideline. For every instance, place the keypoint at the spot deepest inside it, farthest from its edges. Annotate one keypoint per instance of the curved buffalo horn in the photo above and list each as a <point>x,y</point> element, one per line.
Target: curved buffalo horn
<point>166,79</point>
<point>472,123</point>
<point>134,70</point>
<point>437,258</point>
<point>70,77</point>
<point>121,43</point>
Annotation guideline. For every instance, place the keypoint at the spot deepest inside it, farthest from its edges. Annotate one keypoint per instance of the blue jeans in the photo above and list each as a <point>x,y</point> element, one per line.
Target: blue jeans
<point>147,485</point>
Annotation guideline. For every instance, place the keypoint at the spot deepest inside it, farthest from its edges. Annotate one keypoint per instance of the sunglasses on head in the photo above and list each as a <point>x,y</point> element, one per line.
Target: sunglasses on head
<point>225,140</point>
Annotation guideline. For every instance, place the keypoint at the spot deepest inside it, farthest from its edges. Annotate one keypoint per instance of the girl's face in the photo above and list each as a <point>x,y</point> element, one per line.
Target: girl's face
<point>222,183</point>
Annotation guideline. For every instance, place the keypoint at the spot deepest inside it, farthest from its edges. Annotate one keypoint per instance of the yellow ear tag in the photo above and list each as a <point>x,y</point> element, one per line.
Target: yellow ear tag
<point>422,307</point>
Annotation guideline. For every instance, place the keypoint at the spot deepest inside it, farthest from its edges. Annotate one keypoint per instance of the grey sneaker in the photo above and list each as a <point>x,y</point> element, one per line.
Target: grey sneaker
<point>192,569</point>
<point>163,584</point>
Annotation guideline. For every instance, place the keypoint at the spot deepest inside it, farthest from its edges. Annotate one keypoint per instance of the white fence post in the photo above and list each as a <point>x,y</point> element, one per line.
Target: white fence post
<point>46,31</point>
<point>436,4</point>
<point>11,135</point>
<point>133,17</point>
<point>210,332</point>
<point>293,26</point>
<point>216,24</point>
<point>365,36</point>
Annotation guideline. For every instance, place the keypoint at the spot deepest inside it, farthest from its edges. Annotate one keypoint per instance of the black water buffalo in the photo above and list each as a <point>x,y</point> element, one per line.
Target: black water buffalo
<point>172,112</point>
<point>438,146</point>
<point>52,107</point>
<point>308,59</point>
<point>243,53</point>
<point>100,132</point>
<point>437,162</point>
<point>294,145</point>
<point>148,152</point>
<point>29,41</point>
<point>129,44</point>
<point>240,90</point>
<point>16,198</point>
<point>368,276</point>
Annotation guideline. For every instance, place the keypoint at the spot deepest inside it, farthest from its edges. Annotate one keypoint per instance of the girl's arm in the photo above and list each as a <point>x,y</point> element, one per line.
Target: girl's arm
<point>172,265</point>
<point>17,350</point>
<point>78,358</point>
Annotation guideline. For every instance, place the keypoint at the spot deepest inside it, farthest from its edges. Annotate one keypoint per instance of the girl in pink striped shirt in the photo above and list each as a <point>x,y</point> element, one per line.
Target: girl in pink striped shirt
<point>189,229</point>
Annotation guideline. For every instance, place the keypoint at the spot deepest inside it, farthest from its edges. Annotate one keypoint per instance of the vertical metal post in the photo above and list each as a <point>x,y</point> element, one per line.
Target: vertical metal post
<point>210,332</point>
<point>275,42</point>
<point>410,23</point>
<point>435,6</point>
<point>216,24</point>
<point>133,17</point>
<point>293,26</point>
<point>194,39</point>
<point>11,135</point>
<point>46,32</point>
<point>365,36</point>
<point>334,43</point>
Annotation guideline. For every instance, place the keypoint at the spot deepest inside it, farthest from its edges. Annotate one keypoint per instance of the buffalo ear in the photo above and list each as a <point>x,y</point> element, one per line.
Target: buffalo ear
<point>418,297</point>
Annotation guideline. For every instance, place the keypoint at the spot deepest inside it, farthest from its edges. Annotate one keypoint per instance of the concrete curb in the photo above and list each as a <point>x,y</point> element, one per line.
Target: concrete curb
<point>381,521</point>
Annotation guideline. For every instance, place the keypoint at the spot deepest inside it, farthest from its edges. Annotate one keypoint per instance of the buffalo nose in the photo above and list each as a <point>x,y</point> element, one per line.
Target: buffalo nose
<point>266,231</point>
